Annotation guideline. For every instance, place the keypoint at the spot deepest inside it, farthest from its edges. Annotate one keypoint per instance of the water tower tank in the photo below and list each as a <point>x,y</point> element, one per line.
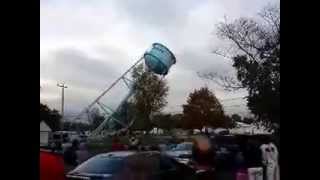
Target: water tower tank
<point>159,59</point>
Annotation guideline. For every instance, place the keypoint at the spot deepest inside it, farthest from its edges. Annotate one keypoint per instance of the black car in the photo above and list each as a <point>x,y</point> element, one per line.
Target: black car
<point>123,165</point>
<point>226,148</point>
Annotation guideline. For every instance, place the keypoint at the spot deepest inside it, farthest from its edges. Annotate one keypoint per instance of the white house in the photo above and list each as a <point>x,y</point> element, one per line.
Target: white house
<point>44,133</point>
<point>156,131</point>
<point>243,128</point>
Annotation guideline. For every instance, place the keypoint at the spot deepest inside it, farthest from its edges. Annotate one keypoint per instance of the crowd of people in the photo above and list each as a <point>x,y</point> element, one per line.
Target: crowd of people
<point>78,152</point>
<point>252,160</point>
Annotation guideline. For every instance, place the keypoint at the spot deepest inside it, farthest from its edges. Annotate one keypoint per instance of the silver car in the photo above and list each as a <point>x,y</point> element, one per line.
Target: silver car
<point>182,152</point>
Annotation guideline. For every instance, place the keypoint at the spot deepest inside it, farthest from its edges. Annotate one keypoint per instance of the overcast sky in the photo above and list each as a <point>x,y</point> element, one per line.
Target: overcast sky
<point>89,43</point>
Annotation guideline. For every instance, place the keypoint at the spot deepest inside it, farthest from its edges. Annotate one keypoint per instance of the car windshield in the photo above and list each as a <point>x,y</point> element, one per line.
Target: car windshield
<point>100,165</point>
<point>183,147</point>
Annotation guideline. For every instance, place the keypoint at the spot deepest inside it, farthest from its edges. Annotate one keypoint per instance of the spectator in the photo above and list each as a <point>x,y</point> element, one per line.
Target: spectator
<point>56,147</point>
<point>239,160</point>
<point>253,159</point>
<point>116,144</point>
<point>134,143</point>
<point>82,153</point>
<point>203,152</point>
<point>70,156</point>
<point>253,154</point>
<point>155,148</point>
<point>203,158</point>
<point>241,170</point>
<point>270,157</point>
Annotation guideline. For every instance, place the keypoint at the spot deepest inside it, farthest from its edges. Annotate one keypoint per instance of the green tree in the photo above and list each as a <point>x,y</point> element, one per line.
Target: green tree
<point>177,120</point>
<point>203,109</point>
<point>125,114</point>
<point>76,126</point>
<point>256,59</point>
<point>236,118</point>
<point>149,97</point>
<point>163,121</point>
<point>167,121</point>
<point>95,118</point>
<point>51,117</point>
<point>230,123</point>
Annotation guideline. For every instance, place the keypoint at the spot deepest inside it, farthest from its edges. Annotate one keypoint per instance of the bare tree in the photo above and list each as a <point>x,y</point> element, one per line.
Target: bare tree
<point>228,83</point>
<point>253,38</point>
<point>254,49</point>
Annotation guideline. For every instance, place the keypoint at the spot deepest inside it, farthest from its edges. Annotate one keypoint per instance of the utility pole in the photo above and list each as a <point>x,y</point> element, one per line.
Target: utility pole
<point>62,86</point>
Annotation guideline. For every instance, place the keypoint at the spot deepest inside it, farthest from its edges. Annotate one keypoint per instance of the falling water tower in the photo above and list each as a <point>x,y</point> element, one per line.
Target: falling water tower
<point>158,59</point>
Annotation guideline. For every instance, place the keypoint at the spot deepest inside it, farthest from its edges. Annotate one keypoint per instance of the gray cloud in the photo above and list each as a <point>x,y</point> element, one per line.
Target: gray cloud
<point>157,13</point>
<point>201,60</point>
<point>106,37</point>
<point>85,77</point>
<point>77,68</point>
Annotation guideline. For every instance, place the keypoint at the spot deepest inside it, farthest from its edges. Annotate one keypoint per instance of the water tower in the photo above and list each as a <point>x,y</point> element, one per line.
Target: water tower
<point>158,59</point>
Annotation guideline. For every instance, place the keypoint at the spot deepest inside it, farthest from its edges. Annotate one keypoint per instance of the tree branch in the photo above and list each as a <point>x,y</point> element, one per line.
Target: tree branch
<point>226,82</point>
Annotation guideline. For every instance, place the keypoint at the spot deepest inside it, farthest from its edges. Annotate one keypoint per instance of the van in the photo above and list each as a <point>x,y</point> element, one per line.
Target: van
<point>59,136</point>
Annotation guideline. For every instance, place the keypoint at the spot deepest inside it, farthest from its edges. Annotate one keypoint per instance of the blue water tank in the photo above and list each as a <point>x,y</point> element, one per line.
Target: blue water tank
<point>159,59</point>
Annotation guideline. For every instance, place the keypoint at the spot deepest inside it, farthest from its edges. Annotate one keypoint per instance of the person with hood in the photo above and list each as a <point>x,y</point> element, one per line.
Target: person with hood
<point>270,156</point>
<point>134,143</point>
<point>82,153</point>
<point>70,156</point>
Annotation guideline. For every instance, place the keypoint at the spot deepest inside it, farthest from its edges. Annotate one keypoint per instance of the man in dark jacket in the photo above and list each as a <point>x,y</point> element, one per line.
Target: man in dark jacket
<point>70,155</point>
<point>203,156</point>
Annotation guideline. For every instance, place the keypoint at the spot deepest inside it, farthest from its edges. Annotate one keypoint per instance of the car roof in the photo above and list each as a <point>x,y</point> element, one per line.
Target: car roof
<point>124,154</point>
<point>187,143</point>
<point>117,154</point>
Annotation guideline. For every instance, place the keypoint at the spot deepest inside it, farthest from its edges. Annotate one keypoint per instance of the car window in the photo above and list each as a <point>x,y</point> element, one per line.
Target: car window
<point>101,165</point>
<point>183,147</point>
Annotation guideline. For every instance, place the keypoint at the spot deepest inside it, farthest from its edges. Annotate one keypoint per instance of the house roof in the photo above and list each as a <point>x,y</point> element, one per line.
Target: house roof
<point>44,126</point>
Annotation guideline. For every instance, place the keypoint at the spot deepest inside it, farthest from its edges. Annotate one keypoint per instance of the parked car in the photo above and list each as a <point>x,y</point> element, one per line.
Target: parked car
<point>167,146</point>
<point>226,148</point>
<point>51,165</point>
<point>83,138</point>
<point>181,152</point>
<point>59,136</point>
<point>152,165</point>
<point>163,147</point>
<point>65,138</point>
